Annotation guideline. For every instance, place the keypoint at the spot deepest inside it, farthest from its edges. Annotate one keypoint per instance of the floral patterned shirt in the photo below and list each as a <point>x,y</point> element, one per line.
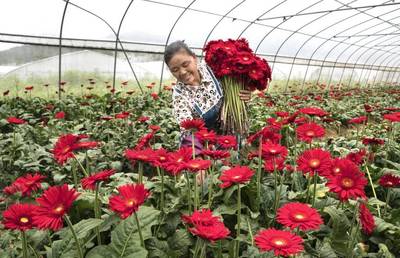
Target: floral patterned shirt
<point>191,101</point>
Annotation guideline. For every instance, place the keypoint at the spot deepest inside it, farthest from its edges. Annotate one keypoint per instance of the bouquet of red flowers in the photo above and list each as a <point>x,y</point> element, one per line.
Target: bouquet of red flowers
<point>237,67</point>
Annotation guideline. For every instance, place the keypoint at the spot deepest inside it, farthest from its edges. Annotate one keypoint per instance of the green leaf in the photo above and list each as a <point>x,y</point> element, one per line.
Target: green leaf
<point>180,242</point>
<point>384,252</point>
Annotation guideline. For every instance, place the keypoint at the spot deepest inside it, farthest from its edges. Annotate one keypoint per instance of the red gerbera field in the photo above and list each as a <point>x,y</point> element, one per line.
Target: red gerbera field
<point>53,205</point>
<point>314,161</point>
<point>389,180</point>
<point>282,243</point>
<point>299,215</point>
<point>90,181</point>
<point>236,175</point>
<point>366,219</point>
<point>309,131</point>
<point>130,197</point>
<point>19,216</point>
<point>348,184</point>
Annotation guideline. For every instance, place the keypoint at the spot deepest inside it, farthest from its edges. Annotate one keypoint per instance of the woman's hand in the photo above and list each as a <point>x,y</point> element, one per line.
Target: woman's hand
<point>245,95</point>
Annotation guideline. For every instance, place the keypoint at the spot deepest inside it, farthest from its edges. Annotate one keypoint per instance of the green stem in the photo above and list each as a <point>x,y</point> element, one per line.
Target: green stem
<point>220,249</point>
<point>308,188</point>
<point>189,195</point>
<point>97,212</point>
<point>139,230</point>
<point>24,245</point>
<point>196,192</point>
<point>140,165</point>
<point>315,189</point>
<point>352,225</point>
<point>387,202</point>
<point>193,149</point>
<point>80,253</point>
<point>75,176</point>
<point>34,251</point>
<point>373,189</point>
<point>250,232</point>
<point>203,249</point>
<point>210,186</point>
<point>259,172</point>
<point>239,202</point>
<point>276,201</point>
<point>80,165</point>
<point>162,189</point>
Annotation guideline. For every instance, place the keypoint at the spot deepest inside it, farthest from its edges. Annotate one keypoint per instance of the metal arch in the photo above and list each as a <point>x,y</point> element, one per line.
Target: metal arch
<point>273,29</point>
<point>370,71</point>
<point>59,48</point>
<point>252,22</point>
<point>169,35</point>
<point>355,51</point>
<point>380,65</point>
<point>215,26</point>
<point>294,32</point>
<point>323,43</point>
<point>298,51</point>
<point>338,57</point>
<point>339,42</point>
<point>394,73</point>
<point>387,67</point>
<point>111,28</point>
<point>362,54</point>
<point>116,45</point>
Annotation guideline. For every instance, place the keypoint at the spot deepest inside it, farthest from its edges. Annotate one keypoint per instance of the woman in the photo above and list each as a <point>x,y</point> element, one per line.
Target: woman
<point>197,94</point>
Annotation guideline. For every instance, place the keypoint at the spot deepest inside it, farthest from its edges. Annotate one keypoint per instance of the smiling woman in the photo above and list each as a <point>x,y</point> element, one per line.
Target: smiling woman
<point>197,94</point>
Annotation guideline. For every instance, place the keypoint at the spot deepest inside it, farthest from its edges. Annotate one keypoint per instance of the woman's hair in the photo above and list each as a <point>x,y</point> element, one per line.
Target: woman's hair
<point>174,48</point>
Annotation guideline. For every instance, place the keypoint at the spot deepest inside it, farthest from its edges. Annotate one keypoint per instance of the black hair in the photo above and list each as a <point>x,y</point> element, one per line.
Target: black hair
<point>174,48</point>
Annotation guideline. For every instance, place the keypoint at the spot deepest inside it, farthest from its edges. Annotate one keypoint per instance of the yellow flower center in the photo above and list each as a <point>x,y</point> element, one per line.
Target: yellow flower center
<point>226,141</point>
<point>279,241</point>
<point>236,177</point>
<point>273,151</point>
<point>130,202</point>
<point>299,216</point>
<point>310,133</point>
<point>195,165</point>
<point>314,163</point>
<point>179,160</point>
<point>59,209</point>
<point>336,170</point>
<point>24,219</point>
<point>347,182</point>
<point>245,58</point>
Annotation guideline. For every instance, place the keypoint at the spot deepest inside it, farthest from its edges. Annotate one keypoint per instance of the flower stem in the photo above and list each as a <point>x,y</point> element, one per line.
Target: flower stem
<point>193,149</point>
<point>259,173</point>
<point>373,189</point>
<point>387,202</point>
<point>351,227</point>
<point>97,212</point>
<point>210,186</point>
<point>239,202</point>
<point>189,195</point>
<point>139,230</point>
<point>315,189</point>
<point>24,245</point>
<point>140,165</point>
<point>80,253</point>
<point>80,165</point>
<point>162,189</point>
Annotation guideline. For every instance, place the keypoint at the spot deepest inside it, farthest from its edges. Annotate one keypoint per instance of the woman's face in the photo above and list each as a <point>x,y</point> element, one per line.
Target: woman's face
<point>183,67</point>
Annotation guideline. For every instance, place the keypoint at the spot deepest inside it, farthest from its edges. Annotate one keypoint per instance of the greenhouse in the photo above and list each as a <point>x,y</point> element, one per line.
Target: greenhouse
<point>199,128</point>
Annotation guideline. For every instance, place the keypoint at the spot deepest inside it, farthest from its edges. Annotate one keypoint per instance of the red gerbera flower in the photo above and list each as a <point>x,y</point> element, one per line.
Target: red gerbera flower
<point>28,183</point>
<point>211,233</point>
<point>177,160</point>
<point>154,128</point>
<point>236,175</point>
<point>122,115</point>
<point>130,197</point>
<point>339,165</point>
<point>393,117</point>
<point>143,119</point>
<point>357,157</point>
<point>160,156</point>
<point>195,165</point>
<point>19,216</point>
<point>142,155</point>
<point>203,217</point>
<point>299,215</point>
<point>389,180</point>
<point>154,95</point>
<point>90,181</point>
<point>216,154</point>
<point>283,243</point>
<point>15,121</point>
<point>53,204</point>
<point>366,219</point>
<point>358,120</point>
<point>313,111</point>
<point>193,125</point>
<point>227,141</point>
<point>314,161</point>
<point>10,190</point>
<point>307,132</point>
<point>206,136</point>
<point>144,141</point>
<point>372,141</point>
<point>66,144</point>
<point>59,115</point>
<point>348,184</point>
